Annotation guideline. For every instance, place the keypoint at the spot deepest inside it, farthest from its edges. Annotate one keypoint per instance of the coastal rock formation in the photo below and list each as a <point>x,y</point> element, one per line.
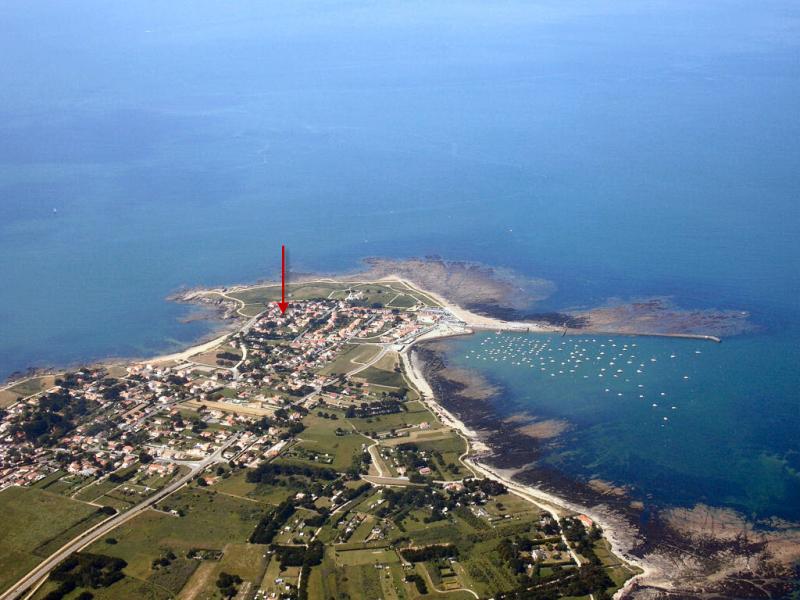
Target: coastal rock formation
<point>464,283</point>
<point>694,553</point>
<point>659,316</point>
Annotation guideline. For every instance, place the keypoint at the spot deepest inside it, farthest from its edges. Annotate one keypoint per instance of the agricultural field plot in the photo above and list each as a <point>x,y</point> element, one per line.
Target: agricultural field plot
<point>35,519</point>
<point>26,388</point>
<point>414,415</point>
<point>248,561</point>
<point>125,589</point>
<point>279,581</point>
<point>94,491</point>
<point>320,437</point>
<point>444,456</point>
<point>210,521</point>
<point>237,486</point>
<point>354,356</point>
<point>124,495</point>
<point>314,290</point>
<point>386,380</point>
<point>173,577</point>
<point>295,529</point>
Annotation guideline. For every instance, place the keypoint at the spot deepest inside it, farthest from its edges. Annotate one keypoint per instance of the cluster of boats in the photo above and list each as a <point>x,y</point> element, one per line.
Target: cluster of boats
<point>619,366</point>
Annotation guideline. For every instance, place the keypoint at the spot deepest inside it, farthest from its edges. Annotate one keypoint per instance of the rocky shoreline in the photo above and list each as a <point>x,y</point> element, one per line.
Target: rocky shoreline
<point>700,552</point>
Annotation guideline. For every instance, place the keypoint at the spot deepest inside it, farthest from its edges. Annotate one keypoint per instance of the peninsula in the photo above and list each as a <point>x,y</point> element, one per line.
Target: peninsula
<point>299,455</point>
<point>311,454</point>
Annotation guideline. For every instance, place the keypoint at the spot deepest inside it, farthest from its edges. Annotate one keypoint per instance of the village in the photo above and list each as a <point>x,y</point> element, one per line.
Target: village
<point>298,441</point>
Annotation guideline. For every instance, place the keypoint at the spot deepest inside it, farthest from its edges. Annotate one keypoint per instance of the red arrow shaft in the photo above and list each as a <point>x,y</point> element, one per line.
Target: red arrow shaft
<point>283,273</point>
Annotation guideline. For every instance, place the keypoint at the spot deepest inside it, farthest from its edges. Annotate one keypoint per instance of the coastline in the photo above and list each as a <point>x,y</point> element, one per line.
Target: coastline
<point>557,506</point>
<point>631,544</point>
<point>471,319</point>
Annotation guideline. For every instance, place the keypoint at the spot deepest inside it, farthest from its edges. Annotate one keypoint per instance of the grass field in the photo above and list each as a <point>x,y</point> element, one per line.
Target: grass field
<point>367,556</point>
<point>32,519</point>
<point>248,561</point>
<point>237,486</point>
<point>352,358</point>
<point>320,437</point>
<point>25,389</point>
<point>294,291</point>
<point>415,414</point>
<point>211,521</point>
<point>391,380</point>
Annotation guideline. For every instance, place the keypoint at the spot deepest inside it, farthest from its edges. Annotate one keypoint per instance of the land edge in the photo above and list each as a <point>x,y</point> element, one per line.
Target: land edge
<point>211,339</point>
<point>554,505</point>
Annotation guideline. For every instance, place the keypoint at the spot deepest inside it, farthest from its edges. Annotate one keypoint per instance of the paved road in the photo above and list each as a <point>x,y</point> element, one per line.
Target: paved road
<point>94,534</point>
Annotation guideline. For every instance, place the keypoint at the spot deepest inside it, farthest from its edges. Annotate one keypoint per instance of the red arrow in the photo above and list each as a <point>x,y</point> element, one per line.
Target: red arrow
<point>283,305</point>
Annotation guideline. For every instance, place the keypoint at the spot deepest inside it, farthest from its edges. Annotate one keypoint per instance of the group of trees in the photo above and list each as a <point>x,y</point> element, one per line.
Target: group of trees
<point>268,472</point>
<point>426,553</point>
<point>271,523</point>
<point>228,584</point>
<point>589,578</point>
<point>87,571</point>
<point>418,581</point>
<point>54,416</point>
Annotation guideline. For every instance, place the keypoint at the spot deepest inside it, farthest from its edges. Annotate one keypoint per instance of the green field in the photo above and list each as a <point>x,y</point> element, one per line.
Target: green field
<point>36,521</point>
<point>383,373</point>
<point>211,521</point>
<point>415,414</point>
<point>294,291</point>
<point>394,295</point>
<point>353,357</point>
<point>367,556</point>
<point>248,561</point>
<point>320,437</point>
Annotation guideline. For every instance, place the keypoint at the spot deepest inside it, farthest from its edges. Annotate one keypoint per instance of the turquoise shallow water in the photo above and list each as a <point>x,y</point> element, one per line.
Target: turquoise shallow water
<point>680,421</point>
<point>618,149</point>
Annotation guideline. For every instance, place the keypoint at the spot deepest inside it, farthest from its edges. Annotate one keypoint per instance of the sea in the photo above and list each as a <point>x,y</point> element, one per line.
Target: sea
<point>620,150</point>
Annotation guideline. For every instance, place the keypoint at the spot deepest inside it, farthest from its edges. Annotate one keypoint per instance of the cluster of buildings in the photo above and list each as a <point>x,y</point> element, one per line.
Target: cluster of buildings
<point>95,421</point>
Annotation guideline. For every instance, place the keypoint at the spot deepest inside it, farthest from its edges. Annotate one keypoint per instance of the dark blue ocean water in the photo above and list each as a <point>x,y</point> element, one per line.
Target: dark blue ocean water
<point>616,148</point>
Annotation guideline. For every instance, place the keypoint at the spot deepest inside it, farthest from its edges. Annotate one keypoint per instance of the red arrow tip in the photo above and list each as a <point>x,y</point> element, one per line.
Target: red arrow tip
<point>283,306</point>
